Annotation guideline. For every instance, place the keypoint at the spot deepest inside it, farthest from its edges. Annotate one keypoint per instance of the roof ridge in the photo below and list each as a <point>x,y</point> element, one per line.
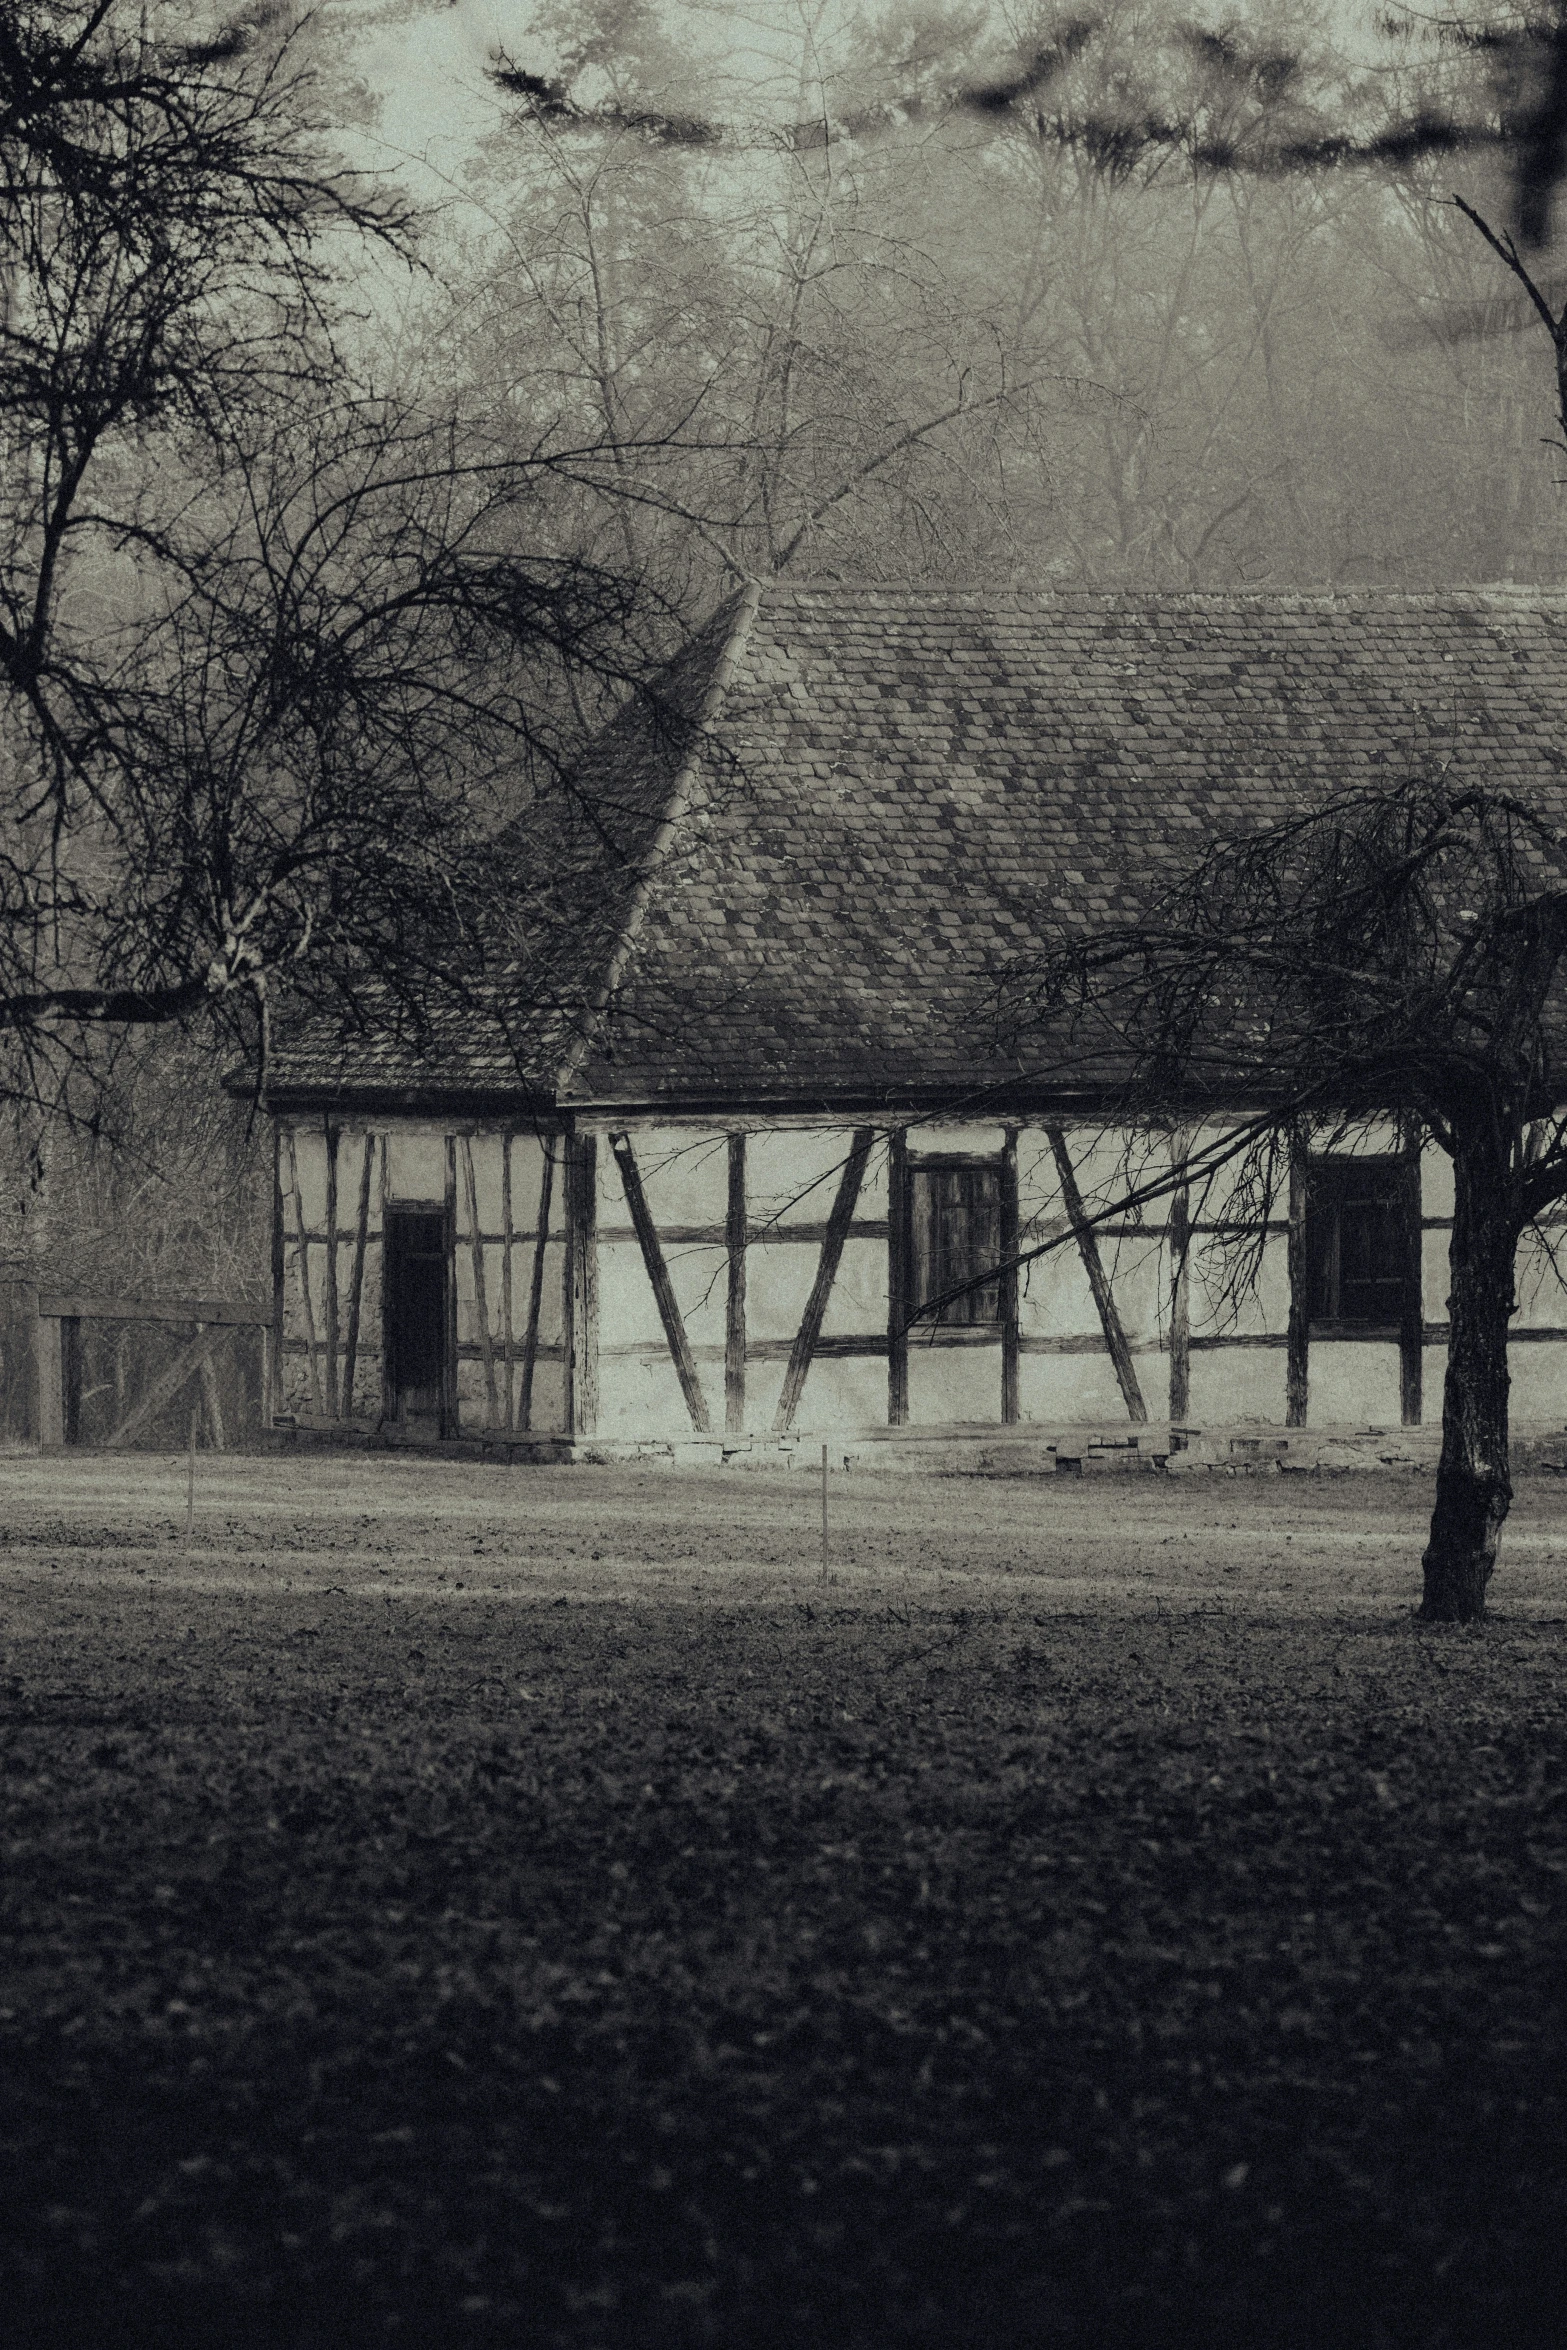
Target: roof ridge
<point>744,613</point>
<point>1500,591</point>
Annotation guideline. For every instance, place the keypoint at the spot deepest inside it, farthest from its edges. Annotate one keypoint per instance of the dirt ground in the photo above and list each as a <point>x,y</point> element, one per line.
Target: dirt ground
<point>539,1906</point>
<point>746,1537</point>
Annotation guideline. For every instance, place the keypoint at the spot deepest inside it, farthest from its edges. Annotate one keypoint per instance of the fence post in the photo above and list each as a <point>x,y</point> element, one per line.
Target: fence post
<point>20,1417</point>
<point>51,1383</point>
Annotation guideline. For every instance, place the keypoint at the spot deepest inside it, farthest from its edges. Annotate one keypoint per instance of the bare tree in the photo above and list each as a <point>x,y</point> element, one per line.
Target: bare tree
<point>1393,951</point>
<point>276,651</point>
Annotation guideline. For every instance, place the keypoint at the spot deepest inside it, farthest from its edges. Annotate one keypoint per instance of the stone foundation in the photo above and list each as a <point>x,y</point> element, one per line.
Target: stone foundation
<point>966,1450</point>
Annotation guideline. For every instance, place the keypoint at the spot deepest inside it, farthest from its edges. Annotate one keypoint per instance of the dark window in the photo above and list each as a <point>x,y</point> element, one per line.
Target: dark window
<point>1356,1241</point>
<point>955,1213</point>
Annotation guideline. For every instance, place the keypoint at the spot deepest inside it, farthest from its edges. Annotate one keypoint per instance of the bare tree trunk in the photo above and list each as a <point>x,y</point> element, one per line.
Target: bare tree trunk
<point>1473,1489</point>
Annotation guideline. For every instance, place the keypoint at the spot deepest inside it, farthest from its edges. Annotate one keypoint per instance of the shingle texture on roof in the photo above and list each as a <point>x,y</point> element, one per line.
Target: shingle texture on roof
<point>901,788</point>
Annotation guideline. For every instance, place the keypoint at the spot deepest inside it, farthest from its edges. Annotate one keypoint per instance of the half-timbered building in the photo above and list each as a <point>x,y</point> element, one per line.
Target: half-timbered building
<point>688,1177</point>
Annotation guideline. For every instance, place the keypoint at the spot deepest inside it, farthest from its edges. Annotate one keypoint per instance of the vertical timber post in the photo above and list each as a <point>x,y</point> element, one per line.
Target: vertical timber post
<point>1010,1403</point>
<point>302,1267</point>
<point>900,1253</point>
<point>1180,1305</point>
<point>481,1295</point>
<point>530,1344</point>
<point>1297,1361</point>
<point>357,1279</point>
<point>273,1403</point>
<point>71,1377</point>
<point>51,1383</point>
<point>1411,1321</point>
<point>506,1313</point>
<point>384,1186</point>
<point>329,1302</point>
<point>451,1401</point>
<point>19,1357</point>
<point>582,1301</point>
<point>734,1304</point>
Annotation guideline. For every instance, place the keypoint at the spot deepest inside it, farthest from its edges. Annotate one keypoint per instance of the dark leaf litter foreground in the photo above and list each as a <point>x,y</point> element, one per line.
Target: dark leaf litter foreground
<point>534,1907</point>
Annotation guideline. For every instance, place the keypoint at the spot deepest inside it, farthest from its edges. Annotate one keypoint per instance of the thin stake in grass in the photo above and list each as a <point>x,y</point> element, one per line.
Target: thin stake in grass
<point>826,1577</point>
<point>190,1480</point>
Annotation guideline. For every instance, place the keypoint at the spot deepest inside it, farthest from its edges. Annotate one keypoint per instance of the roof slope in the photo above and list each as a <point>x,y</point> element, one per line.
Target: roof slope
<point>871,797</point>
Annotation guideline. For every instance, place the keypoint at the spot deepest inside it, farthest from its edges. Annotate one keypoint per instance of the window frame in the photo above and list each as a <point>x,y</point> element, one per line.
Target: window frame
<point>1334,1170</point>
<point>993,1165</point>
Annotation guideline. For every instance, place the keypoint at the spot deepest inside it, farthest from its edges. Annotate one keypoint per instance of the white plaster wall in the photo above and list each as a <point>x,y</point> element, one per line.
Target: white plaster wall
<point>367,1396</point>
<point>952,1383</point>
<point>778,1279</point>
<point>1435,1278</point>
<point>764,1387</point>
<point>1137,1270</point>
<point>1542,1300</point>
<point>527,1176</point>
<point>628,1309</point>
<point>857,1306</point>
<point>639,1395</point>
<point>304,1156</point>
<point>1354,1381</point>
<point>792,1174</point>
<point>931,1139</point>
<point>699,1277</point>
<point>416,1165</point>
<point>628,1313</point>
<point>684,1171</point>
<point>1433,1370</point>
<point>1212,1310</point>
<point>1539,1389</point>
<point>487,1153</point>
<point>549,1395</point>
<point>840,1393</point>
<point>1436,1181</point>
<point>1246,1385</point>
<point>552,1295</point>
<point>1054,1299</point>
<point>1080,1391</point>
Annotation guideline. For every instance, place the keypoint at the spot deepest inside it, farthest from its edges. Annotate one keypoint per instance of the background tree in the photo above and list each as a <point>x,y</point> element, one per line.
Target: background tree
<point>277,649</point>
<point>1095,328</point>
<point>787,366</point>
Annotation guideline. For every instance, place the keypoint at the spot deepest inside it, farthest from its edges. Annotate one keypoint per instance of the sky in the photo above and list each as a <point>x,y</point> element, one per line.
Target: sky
<point>424,63</point>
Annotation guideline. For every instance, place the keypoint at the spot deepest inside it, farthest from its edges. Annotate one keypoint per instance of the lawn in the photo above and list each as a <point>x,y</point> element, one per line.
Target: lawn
<point>458,1904</point>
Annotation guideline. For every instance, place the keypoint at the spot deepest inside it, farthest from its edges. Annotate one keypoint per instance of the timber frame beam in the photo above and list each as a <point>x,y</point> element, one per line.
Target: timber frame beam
<point>1093,1265</point>
<point>663,1289</point>
<point>811,1320</point>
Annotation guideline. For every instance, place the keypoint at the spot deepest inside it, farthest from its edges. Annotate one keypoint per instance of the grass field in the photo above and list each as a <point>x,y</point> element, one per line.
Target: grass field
<point>469,1905</point>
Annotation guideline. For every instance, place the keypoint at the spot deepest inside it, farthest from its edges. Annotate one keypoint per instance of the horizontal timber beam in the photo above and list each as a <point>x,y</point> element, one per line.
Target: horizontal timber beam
<point>226,1312</point>
<point>762,1235</point>
<point>874,1344</point>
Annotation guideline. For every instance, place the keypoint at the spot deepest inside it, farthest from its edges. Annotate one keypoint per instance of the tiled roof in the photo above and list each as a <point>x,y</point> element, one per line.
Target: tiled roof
<point>901,787</point>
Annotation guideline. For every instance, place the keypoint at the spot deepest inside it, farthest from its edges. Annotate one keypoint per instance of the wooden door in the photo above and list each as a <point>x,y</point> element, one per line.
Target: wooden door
<point>416,1308</point>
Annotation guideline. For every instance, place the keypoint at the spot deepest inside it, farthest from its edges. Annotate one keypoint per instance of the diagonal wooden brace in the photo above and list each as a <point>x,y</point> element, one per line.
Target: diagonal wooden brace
<point>663,1289</point>
<point>186,1364</point>
<point>1093,1266</point>
<point>810,1329</point>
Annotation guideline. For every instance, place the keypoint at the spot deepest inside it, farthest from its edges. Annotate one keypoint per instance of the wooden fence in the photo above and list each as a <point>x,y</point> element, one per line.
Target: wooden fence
<point>121,1371</point>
